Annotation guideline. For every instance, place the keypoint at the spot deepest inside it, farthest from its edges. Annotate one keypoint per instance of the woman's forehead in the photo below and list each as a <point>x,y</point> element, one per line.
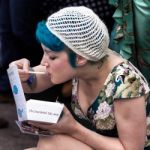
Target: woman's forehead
<point>46,49</point>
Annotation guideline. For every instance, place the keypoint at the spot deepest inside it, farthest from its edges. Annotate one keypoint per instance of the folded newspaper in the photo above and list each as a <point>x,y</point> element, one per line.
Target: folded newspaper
<point>31,110</point>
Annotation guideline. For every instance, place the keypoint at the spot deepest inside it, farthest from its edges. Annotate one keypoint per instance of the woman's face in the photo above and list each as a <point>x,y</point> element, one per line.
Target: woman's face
<point>57,65</point>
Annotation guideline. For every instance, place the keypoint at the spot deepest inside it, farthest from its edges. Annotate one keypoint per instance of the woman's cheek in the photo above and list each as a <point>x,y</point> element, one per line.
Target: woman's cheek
<point>57,67</point>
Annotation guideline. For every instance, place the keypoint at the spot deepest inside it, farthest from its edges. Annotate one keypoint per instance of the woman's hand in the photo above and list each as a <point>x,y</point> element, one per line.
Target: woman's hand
<point>66,125</point>
<point>23,68</point>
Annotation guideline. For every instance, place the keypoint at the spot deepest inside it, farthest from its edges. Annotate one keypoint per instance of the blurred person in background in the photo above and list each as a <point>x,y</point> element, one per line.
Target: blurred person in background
<point>131,33</point>
<point>17,39</point>
<point>16,36</point>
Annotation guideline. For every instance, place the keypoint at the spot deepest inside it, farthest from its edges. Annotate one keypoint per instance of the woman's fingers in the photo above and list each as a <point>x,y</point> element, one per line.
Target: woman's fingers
<point>22,64</point>
<point>26,65</point>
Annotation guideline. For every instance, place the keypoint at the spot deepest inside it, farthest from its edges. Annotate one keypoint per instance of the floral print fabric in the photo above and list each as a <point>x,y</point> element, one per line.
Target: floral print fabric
<point>124,81</point>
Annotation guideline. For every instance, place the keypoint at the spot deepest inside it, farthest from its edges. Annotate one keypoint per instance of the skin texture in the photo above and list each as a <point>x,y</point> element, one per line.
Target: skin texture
<point>68,133</point>
<point>55,66</point>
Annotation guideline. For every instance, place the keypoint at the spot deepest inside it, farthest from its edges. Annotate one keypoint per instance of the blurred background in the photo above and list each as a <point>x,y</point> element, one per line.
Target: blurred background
<point>11,138</point>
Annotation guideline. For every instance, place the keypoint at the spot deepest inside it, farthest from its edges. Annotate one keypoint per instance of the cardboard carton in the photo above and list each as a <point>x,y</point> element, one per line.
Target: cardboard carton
<point>32,110</point>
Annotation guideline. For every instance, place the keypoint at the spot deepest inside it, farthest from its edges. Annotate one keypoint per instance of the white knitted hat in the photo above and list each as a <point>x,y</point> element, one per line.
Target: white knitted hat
<point>81,30</point>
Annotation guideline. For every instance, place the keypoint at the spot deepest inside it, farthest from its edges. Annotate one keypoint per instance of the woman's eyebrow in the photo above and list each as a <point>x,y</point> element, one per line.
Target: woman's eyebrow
<point>46,51</point>
<point>50,52</point>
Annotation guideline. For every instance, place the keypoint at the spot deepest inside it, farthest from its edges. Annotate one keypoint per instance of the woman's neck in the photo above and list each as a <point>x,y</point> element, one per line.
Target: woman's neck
<point>92,79</point>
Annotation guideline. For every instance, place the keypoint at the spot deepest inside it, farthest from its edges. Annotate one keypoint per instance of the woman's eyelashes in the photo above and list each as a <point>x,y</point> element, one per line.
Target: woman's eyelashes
<point>52,57</point>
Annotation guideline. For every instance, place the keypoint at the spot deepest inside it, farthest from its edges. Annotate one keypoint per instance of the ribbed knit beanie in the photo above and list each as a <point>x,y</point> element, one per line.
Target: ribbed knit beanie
<point>81,30</point>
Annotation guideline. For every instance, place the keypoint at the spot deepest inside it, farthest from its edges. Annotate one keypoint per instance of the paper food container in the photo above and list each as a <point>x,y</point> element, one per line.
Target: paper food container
<point>34,110</point>
<point>43,111</point>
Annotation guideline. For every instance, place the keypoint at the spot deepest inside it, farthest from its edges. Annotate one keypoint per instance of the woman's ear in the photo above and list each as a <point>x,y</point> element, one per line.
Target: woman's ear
<point>80,61</point>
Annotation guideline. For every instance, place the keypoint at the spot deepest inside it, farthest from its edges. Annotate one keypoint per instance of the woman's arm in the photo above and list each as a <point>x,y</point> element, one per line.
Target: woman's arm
<point>131,122</point>
<point>40,82</point>
<point>130,116</point>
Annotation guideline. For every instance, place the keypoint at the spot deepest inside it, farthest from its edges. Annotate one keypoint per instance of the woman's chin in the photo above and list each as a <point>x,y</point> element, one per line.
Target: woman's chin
<point>59,81</point>
<point>56,81</point>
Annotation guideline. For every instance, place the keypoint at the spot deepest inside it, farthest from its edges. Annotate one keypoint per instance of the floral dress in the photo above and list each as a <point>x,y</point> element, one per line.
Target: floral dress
<point>124,81</point>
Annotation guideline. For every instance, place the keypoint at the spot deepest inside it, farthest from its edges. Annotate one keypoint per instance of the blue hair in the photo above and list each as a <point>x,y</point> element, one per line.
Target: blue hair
<point>47,38</point>
<point>72,58</point>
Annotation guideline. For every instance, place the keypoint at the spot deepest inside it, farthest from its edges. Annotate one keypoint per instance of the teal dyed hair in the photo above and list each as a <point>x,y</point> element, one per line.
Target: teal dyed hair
<point>72,58</point>
<point>47,38</point>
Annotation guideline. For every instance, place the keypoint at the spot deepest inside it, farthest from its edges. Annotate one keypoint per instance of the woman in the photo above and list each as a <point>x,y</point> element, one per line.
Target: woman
<point>108,93</point>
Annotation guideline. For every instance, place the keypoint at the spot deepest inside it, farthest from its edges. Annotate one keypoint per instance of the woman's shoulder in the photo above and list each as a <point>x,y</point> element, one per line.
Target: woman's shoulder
<point>128,81</point>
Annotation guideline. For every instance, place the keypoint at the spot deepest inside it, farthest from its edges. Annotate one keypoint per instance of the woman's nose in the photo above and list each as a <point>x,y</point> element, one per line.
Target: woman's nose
<point>44,61</point>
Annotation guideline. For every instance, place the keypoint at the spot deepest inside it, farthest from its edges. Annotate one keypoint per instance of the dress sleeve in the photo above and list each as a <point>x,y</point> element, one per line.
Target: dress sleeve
<point>129,83</point>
